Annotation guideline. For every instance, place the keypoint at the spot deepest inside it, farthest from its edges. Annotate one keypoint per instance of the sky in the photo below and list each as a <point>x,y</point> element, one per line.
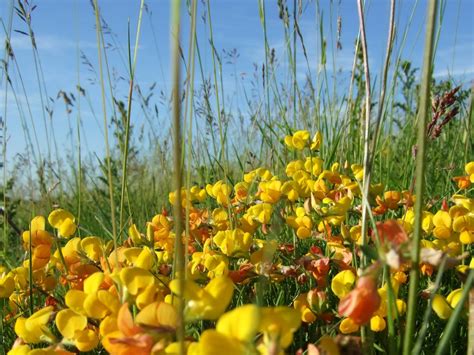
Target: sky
<point>65,30</point>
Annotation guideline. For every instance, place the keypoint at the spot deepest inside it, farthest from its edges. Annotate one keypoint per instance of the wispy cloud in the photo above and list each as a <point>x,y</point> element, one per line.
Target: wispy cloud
<point>458,72</point>
<point>47,43</point>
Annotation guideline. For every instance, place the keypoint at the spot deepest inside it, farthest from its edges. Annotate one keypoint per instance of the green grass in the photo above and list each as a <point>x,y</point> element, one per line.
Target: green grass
<point>368,124</point>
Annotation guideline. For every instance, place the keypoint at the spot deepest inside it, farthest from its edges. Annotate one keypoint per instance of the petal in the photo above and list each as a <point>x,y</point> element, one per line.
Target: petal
<point>86,340</point>
<point>37,223</point>
<point>441,307</point>
<point>136,279</point>
<point>68,322</point>
<point>93,282</point>
<point>213,343</point>
<point>158,315</point>
<point>67,228</point>
<point>342,283</point>
<point>241,323</point>
<point>74,299</point>
<point>377,324</point>
<point>58,216</point>
<point>348,326</point>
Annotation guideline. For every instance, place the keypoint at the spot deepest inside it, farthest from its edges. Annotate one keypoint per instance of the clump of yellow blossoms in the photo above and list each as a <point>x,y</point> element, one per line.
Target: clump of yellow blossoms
<point>264,255</point>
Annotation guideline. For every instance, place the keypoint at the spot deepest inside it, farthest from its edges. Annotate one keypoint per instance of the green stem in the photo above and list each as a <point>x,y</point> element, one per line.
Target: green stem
<point>106,131</point>
<point>424,112</point>
<point>178,175</point>
<point>367,168</point>
<point>190,107</point>
<point>129,110</point>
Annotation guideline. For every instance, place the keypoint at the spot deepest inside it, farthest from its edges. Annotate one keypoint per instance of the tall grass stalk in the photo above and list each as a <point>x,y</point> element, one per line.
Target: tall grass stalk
<point>178,175</point>
<point>132,66</point>
<point>366,183</point>
<point>3,76</point>
<point>426,317</point>
<point>100,45</point>
<point>222,153</point>
<point>424,112</point>
<point>383,86</point>
<point>188,114</point>
<point>78,120</point>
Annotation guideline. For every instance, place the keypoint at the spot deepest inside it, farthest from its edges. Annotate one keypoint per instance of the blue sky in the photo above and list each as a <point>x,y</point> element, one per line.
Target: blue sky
<point>63,27</point>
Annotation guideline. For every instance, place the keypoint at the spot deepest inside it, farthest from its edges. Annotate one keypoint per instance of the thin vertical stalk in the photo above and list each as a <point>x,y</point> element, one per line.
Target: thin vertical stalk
<point>190,109</point>
<point>222,153</point>
<point>294,64</point>
<point>4,74</point>
<point>424,112</point>
<point>383,87</point>
<point>78,119</point>
<point>366,182</point>
<point>106,130</point>
<point>426,317</point>
<point>132,66</point>
<point>263,20</point>
<point>178,175</point>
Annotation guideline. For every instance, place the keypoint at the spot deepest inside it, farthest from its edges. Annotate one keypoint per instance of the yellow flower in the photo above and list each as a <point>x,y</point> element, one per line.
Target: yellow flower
<point>63,221</point>
<point>220,191</point>
<point>69,322</point>
<point>290,190</point>
<point>442,221</point>
<point>348,326</point>
<point>358,171</point>
<point>293,166</point>
<point>33,329</point>
<point>134,234</point>
<point>241,191</point>
<point>441,307</point>
<point>92,247</point>
<point>234,333</point>
<point>158,315</point>
<point>278,325</point>
<point>7,285</point>
<point>233,242</point>
<point>302,305</point>
<point>159,232</point>
<point>86,340</point>
<point>270,191</point>
<point>301,223</point>
<point>136,279</point>
<point>464,225</point>
<point>342,283</point>
<point>208,302</point>
<point>317,141</point>
<point>93,302</point>
<point>220,218</point>
<point>241,323</point>
<point>216,264</point>
<point>454,297</point>
<point>313,165</point>
<point>377,324</point>
<point>260,212</point>
<point>299,140</point>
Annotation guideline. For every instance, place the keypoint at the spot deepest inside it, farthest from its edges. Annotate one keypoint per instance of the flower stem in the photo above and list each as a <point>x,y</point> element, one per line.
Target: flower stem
<point>424,112</point>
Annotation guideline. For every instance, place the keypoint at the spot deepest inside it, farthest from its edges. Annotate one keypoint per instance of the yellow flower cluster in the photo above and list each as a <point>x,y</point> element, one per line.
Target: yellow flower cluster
<point>290,244</point>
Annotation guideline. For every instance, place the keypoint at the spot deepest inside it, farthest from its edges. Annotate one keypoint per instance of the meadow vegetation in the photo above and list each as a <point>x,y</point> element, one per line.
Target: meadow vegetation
<point>310,220</point>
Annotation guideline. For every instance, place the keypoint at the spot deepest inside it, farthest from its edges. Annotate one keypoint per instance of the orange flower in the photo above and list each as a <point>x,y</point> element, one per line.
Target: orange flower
<point>391,231</point>
<point>130,338</point>
<point>362,302</point>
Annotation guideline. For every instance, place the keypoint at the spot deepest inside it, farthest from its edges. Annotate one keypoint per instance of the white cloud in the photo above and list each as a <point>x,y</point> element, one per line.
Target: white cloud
<point>47,43</point>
